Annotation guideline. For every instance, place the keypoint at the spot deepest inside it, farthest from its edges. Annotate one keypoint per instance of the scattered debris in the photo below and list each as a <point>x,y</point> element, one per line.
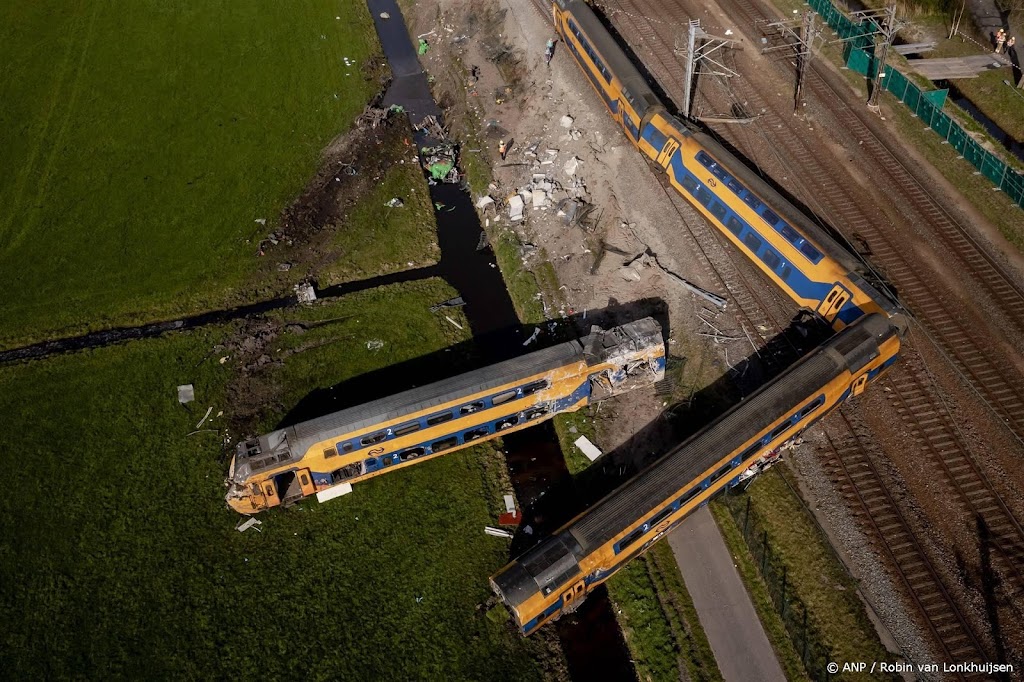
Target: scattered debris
<point>629,274</point>
<point>497,532</point>
<point>502,94</point>
<point>567,121</point>
<point>450,303</point>
<point>533,337</point>
<point>374,344</point>
<point>251,522</point>
<point>395,202</point>
<point>587,448</point>
<point>510,518</point>
<point>305,293</point>
<point>572,166</point>
<point>333,492</point>
<point>205,416</point>
<point>284,267</point>
<point>186,393</point>
<point>484,201</point>
<point>261,221</point>
<point>385,16</point>
<point>423,47</point>
<point>224,359</point>
<point>515,208</point>
<point>453,322</point>
<point>510,504</point>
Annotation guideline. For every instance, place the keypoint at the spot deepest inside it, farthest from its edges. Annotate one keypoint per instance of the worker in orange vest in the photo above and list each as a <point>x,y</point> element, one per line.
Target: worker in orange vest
<point>502,149</point>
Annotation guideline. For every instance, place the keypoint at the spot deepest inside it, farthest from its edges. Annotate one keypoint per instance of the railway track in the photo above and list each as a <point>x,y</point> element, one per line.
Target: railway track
<point>851,460</point>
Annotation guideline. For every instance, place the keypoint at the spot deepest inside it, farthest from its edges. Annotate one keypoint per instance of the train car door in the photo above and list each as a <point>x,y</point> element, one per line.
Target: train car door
<point>666,152</point>
<point>859,384</point>
<point>831,304</point>
<point>270,493</point>
<point>573,597</point>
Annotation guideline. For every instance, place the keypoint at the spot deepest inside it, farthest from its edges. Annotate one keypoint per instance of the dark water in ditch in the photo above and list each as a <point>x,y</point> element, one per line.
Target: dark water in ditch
<point>1004,138</point>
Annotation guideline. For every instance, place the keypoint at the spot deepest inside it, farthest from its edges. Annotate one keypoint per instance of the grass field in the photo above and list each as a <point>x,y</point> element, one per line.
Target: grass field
<point>121,561</point>
<point>142,140</point>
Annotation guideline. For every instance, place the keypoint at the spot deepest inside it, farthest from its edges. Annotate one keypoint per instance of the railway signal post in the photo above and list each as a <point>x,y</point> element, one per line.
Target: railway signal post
<point>699,48</point>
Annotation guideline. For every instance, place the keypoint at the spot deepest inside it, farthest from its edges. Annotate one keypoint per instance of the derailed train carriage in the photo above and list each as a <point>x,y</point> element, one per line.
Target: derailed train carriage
<point>322,456</point>
<point>783,242</point>
<point>556,575</point>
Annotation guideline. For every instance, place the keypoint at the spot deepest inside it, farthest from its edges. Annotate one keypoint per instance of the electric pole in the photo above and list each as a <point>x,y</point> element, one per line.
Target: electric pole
<point>888,31</point>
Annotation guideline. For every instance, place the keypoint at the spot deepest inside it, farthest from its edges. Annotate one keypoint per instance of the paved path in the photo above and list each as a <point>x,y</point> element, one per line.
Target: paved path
<point>723,606</point>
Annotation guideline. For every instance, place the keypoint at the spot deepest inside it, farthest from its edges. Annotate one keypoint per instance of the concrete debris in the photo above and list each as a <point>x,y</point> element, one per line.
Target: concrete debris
<point>587,448</point>
<point>510,504</point>
<point>484,201</point>
<point>572,166</point>
<point>385,15</point>
<point>305,293</point>
<point>540,199</point>
<point>515,208</point>
<point>261,221</point>
<point>533,337</point>
<point>575,134</point>
<point>629,274</point>
<point>251,522</point>
<point>186,393</point>
<point>374,344</point>
<point>566,121</point>
<point>497,532</point>
<point>395,202</point>
<point>453,322</point>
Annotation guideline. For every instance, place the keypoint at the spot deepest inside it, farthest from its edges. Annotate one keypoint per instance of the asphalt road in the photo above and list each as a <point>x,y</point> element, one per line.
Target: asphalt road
<point>723,605</point>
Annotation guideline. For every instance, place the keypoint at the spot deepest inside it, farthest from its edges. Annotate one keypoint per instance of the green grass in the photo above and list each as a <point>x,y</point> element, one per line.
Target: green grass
<point>376,239</point>
<point>521,283</point>
<point>583,422</point>
<point>120,560</point>
<point>659,621</point>
<point>142,140</point>
<point>773,626</point>
<point>815,576</point>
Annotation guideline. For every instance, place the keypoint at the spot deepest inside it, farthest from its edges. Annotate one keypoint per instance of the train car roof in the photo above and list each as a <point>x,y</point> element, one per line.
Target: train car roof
<point>685,465</point>
<point>305,434</point>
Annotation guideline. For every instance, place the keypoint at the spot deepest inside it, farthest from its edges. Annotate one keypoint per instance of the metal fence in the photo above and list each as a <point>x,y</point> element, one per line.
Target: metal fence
<point>859,54</point>
<point>814,654</point>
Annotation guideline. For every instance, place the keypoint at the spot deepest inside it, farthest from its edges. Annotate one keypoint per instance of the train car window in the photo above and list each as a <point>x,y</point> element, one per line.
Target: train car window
<point>655,137</point>
<point>752,201</point>
<point>770,217</point>
<point>474,434</point>
<point>330,452</point>
<point>734,225</point>
<point>717,210</point>
<point>440,418</point>
<point>818,402</point>
<point>689,184</point>
<point>470,408</point>
<point>388,461</point>
<point>752,242</point>
<point>751,451</point>
<point>705,160</point>
<point>535,412</point>
<point>721,472</point>
<point>411,453</point>
<point>531,388</point>
<point>690,494</point>
<point>406,429</point>
<point>780,429</point>
<point>721,174</point>
<point>789,233</point>
<point>703,195</point>
<point>374,438</point>
<point>503,397</point>
<point>770,259</point>
<point>812,253</point>
<point>661,516</point>
<point>444,444</point>
<point>735,185</point>
<point>631,538</point>
<point>370,464</point>
<point>347,447</point>
<point>506,423</point>
<point>785,272</point>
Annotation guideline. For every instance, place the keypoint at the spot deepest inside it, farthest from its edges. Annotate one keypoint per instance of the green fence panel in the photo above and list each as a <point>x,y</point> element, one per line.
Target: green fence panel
<point>974,153</point>
<point>912,97</point>
<point>1013,185</point>
<point>992,168</point>
<point>958,138</point>
<point>937,97</point>
<point>857,60</point>
<point>941,124</point>
<point>896,83</point>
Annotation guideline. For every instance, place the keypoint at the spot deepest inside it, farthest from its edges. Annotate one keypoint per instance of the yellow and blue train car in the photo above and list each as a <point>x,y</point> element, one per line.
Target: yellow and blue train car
<point>323,455</point>
<point>784,243</point>
<point>556,575</point>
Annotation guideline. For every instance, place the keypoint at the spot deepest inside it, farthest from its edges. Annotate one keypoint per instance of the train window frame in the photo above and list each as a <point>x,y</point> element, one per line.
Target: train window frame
<point>812,254</point>
<point>752,242</point>
<point>689,184</point>
<point>690,495</point>
<point>807,409</point>
<point>771,259</point>
<point>722,471</point>
<point>751,451</point>
<point>474,434</point>
<point>405,456</point>
<point>660,516</point>
<point>444,444</point>
<point>736,186</point>
<point>470,408</point>
<point>781,428</point>
<point>535,386</point>
<point>347,446</point>
<point>704,195</point>
<point>631,538</point>
<point>387,461</point>
<point>704,159</point>
<point>785,272</point>
<point>504,397</point>
<point>657,139</point>
<point>373,439</point>
<point>439,418</point>
<point>330,452</point>
<point>770,217</point>
<point>750,200</point>
<point>718,210</point>
<point>734,225</point>
<point>506,422</point>
<point>535,412</point>
<point>405,429</point>
<point>790,234</point>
